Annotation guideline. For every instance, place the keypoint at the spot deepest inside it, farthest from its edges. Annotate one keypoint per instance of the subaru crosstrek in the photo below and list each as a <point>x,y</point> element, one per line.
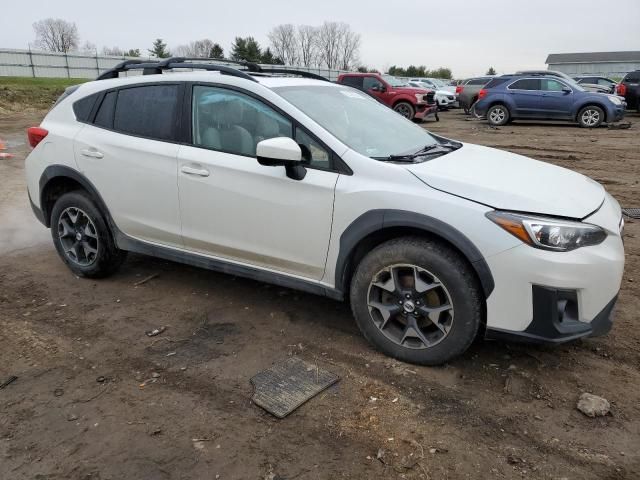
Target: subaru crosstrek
<point>546,97</point>
<point>316,186</point>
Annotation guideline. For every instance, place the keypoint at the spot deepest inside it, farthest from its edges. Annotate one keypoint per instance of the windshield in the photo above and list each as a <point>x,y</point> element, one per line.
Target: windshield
<point>357,120</point>
<point>393,81</point>
<point>438,82</point>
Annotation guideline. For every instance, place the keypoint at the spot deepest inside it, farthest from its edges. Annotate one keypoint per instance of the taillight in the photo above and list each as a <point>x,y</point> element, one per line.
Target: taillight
<point>621,89</point>
<point>459,89</point>
<point>36,135</point>
<point>482,93</point>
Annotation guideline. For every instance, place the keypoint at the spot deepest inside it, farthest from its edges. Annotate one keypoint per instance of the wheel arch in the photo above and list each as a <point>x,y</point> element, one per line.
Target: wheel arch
<point>404,99</point>
<point>57,180</point>
<point>377,226</point>
<point>589,103</point>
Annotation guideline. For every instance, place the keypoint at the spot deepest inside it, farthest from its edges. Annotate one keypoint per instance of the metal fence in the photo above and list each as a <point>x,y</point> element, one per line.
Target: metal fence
<point>28,63</point>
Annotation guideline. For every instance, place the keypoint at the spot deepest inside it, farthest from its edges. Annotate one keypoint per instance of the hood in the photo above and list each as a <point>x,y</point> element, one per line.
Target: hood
<point>444,93</point>
<point>508,181</point>
<point>411,90</point>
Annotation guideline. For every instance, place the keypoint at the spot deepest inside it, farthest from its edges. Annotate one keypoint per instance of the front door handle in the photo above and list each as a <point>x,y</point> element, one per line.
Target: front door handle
<point>88,152</point>
<point>201,172</point>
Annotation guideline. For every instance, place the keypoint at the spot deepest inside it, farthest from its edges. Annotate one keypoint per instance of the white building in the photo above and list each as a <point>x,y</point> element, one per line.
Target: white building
<point>607,64</point>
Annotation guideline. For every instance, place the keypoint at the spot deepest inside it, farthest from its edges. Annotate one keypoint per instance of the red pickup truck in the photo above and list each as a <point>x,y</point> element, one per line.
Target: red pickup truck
<point>410,102</point>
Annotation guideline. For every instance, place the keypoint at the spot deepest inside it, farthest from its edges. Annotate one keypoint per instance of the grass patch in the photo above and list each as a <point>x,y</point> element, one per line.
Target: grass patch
<point>25,93</point>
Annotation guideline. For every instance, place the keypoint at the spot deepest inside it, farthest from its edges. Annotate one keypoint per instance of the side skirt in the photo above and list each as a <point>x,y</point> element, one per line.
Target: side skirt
<point>127,243</point>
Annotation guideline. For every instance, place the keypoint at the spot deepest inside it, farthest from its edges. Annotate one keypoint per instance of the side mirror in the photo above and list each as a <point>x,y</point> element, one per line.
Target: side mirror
<point>282,152</point>
<point>378,88</point>
<point>566,90</point>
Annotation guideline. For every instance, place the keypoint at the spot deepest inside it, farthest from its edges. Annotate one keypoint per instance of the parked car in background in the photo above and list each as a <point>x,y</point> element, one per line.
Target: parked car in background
<point>444,98</point>
<point>410,102</point>
<point>629,88</point>
<point>545,97</point>
<point>467,91</point>
<point>604,82</point>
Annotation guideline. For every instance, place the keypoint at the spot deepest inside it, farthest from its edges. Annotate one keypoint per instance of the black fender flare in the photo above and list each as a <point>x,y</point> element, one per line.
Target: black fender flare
<point>53,172</point>
<point>376,220</point>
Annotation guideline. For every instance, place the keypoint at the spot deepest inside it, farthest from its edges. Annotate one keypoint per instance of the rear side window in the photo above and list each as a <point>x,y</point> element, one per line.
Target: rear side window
<point>83,107</point>
<point>104,116</point>
<point>149,111</point>
<point>526,84</point>
<point>352,81</point>
<point>633,77</point>
<point>495,82</point>
<point>477,81</point>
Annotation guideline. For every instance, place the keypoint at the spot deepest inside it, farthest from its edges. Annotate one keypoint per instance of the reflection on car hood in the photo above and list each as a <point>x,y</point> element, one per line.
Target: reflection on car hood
<point>508,181</point>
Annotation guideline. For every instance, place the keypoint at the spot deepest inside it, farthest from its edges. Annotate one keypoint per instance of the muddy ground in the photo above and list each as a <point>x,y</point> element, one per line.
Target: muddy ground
<point>83,408</point>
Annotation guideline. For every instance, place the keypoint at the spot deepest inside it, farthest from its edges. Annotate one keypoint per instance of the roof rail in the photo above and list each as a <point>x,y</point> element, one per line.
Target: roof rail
<point>197,63</point>
<point>152,68</point>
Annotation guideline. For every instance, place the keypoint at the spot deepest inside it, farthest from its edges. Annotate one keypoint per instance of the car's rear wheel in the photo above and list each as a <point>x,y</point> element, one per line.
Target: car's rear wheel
<point>590,116</point>
<point>405,109</point>
<point>416,300</point>
<point>82,238</point>
<point>498,115</point>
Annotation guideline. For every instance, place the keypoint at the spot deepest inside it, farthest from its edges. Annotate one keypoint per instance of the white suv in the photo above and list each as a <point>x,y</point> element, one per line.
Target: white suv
<point>316,186</point>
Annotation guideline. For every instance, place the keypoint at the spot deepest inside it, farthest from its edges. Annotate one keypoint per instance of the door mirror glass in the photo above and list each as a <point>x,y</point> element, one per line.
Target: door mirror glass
<point>566,89</point>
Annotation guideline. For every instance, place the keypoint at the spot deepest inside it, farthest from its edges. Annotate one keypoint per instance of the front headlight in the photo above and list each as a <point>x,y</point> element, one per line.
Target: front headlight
<point>615,100</point>
<point>421,98</point>
<point>548,233</point>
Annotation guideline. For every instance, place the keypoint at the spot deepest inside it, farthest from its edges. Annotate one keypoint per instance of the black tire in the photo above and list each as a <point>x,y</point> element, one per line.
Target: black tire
<point>498,115</point>
<point>405,109</point>
<point>448,270</point>
<point>95,252</point>
<point>591,116</point>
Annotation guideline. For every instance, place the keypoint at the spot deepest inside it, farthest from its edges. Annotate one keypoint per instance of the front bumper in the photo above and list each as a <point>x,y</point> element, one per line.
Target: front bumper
<point>423,110</point>
<point>553,297</point>
<point>618,113</point>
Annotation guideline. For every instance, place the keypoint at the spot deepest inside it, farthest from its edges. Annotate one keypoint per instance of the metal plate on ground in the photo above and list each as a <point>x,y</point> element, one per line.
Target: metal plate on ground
<point>632,212</point>
<point>287,385</point>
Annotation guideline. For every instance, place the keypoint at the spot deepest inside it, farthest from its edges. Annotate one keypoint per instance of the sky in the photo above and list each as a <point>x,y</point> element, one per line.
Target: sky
<point>466,36</point>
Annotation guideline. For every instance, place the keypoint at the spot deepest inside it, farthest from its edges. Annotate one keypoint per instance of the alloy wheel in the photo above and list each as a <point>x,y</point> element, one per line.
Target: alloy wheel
<point>498,115</point>
<point>590,117</point>
<point>404,110</point>
<point>78,236</point>
<point>410,306</point>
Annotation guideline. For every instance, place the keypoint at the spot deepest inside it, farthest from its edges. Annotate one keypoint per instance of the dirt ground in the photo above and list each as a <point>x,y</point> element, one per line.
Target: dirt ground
<point>87,404</point>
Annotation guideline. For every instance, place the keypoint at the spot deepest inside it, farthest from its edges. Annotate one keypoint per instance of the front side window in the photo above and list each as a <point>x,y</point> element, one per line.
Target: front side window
<point>313,154</point>
<point>371,82</point>
<point>357,120</point>
<point>550,85</point>
<point>148,111</point>
<point>233,122</point>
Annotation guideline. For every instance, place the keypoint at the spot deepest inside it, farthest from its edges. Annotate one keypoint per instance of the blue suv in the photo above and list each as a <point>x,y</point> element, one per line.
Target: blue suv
<point>545,97</point>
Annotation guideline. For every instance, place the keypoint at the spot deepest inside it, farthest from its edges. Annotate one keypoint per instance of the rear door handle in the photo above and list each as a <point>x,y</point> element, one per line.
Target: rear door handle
<point>91,153</point>
<point>201,172</point>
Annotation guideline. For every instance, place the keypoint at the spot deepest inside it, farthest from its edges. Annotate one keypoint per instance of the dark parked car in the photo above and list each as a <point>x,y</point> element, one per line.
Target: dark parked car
<point>545,97</point>
<point>467,91</point>
<point>629,88</point>
<point>608,85</point>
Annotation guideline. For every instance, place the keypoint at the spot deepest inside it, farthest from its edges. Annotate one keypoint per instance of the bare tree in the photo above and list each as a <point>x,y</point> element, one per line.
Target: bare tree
<point>199,48</point>
<point>349,49</point>
<point>284,43</point>
<point>56,35</point>
<point>308,45</point>
<point>330,39</point>
<point>113,51</point>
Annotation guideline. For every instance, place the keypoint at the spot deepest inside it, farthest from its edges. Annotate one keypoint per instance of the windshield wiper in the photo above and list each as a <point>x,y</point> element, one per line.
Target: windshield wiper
<point>409,157</point>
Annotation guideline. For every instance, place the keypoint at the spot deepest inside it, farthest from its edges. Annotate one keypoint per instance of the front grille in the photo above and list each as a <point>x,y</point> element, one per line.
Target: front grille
<point>429,97</point>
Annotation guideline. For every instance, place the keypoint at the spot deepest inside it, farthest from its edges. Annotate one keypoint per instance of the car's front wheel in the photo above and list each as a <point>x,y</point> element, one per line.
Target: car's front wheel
<point>82,238</point>
<point>590,116</point>
<point>498,115</point>
<point>405,109</point>
<point>416,300</point>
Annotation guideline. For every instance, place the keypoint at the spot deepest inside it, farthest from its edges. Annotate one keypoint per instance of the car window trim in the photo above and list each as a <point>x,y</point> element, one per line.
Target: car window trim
<point>337,164</point>
<point>176,128</point>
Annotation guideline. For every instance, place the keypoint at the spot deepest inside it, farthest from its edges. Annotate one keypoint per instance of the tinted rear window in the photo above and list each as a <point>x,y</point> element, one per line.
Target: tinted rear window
<point>633,77</point>
<point>148,111</point>
<point>478,81</point>
<point>526,84</point>
<point>104,117</point>
<point>82,108</point>
<point>352,81</point>
<point>495,82</point>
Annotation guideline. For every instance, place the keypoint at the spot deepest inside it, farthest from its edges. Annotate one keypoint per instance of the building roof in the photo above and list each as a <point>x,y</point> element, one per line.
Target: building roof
<point>593,57</point>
